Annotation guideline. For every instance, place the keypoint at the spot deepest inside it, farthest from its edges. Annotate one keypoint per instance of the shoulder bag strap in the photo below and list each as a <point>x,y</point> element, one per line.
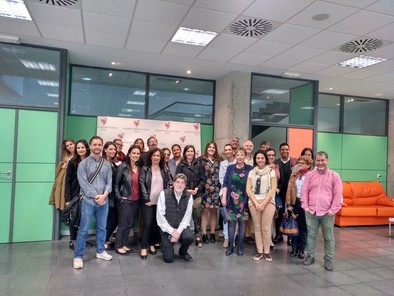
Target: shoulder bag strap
<point>97,171</point>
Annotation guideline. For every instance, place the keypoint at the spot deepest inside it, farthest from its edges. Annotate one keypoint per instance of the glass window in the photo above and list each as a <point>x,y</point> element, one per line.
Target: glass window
<point>180,99</point>
<point>282,100</point>
<point>329,113</point>
<point>107,92</point>
<point>364,116</point>
<point>29,76</point>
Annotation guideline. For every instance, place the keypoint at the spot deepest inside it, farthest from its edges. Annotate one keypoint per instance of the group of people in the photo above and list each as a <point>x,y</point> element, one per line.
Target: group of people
<point>176,198</point>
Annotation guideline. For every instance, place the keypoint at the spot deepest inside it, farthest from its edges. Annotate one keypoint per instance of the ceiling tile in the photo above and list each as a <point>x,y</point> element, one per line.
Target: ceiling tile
<point>362,22</point>
<point>386,52</point>
<point>276,10</point>
<point>160,12</point>
<point>121,8</point>
<point>383,6</point>
<point>215,54</point>
<point>354,3</point>
<point>308,67</point>
<point>336,13</point>
<point>386,66</point>
<point>249,59</point>
<point>232,6</point>
<point>335,71</point>
<point>184,2</point>
<point>67,33</point>
<point>360,73</point>
<point>292,57</point>
<point>145,45</point>
<point>58,16</point>
<point>205,19</point>
<point>291,34</point>
<point>267,48</point>
<point>233,42</point>
<point>105,23</point>
<point>182,50</point>
<point>149,30</point>
<point>331,58</point>
<point>327,40</point>
<point>105,39</point>
<point>386,33</point>
<point>386,77</point>
<point>18,27</point>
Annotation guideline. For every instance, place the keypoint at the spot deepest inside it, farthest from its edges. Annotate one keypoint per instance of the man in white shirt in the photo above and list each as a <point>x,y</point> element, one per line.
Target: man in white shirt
<point>174,213</point>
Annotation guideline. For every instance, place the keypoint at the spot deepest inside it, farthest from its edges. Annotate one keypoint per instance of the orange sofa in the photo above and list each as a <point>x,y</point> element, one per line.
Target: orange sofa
<point>364,203</point>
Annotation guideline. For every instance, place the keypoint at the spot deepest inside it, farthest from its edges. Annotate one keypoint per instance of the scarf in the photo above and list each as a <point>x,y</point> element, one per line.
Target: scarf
<point>261,181</point>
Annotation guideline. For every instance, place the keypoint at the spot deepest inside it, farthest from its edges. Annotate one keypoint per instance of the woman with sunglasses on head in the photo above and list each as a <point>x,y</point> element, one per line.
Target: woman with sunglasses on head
<point>72,187</point>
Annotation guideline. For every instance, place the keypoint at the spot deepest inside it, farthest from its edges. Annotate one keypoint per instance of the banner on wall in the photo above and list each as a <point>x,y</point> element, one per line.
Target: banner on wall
<point>167,133</point>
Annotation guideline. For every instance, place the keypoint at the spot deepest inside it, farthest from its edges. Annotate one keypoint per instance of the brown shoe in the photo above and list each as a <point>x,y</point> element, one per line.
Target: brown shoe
<point>225,243</point>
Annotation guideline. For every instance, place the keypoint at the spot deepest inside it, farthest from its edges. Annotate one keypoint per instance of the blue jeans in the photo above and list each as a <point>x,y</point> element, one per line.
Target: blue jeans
<point>87,212</point>
<point>327,226</point>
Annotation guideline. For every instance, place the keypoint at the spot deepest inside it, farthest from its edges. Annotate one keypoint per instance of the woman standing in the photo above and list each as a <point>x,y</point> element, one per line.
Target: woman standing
<point>167,156</point>
<point>235,199</point>
<point>127,193</point>
<point>153,179</point>
<point>210,199</point>
<point>140,142</point>
<point>57,193</point>
<point>191,167</point>
<point>110,154</point>
<point>293,202</point>
<point>261,188</point>
<point>72,187</point>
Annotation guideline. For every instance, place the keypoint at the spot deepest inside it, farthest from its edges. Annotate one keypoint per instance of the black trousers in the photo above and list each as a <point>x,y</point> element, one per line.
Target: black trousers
<point>299,241</point>
<point>167,247</point>
<point>127,210</point>
<point>150,230</point>
<point>112,220</point>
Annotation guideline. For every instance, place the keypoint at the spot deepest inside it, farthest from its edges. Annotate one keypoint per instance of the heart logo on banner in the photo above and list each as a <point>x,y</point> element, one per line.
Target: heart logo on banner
<point>136,123</point>
<point>121,135</point>
<point>104,120</point>
<point>196,126</point>
<point>183,139</point>
<point>167,124</point>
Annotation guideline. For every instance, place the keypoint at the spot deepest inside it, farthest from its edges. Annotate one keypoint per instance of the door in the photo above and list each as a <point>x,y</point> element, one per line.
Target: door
<point>30,139</point>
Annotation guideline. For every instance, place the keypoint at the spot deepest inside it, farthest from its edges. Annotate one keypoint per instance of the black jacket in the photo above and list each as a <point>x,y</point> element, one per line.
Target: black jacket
<point>145,181</point>
<point>195,175</point>
<point>122,182</point>
<point>72,187</point>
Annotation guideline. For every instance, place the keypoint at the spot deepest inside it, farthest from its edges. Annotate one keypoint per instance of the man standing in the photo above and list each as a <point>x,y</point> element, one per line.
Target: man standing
<point>248,146</point>
<point>234,141</point>
<point>285,164</point>
<point>94,201</point>
<point>174,213</point>
<point>321,198</point>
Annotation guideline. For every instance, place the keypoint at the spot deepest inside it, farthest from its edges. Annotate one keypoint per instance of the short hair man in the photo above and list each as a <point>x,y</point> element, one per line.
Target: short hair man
<point>234,141</point>
<point>151,142</point>
<point>248,146</point>
<point>321,198</point>
<point>264,145</point>
<point>174,213</point>
<point>94,201</point>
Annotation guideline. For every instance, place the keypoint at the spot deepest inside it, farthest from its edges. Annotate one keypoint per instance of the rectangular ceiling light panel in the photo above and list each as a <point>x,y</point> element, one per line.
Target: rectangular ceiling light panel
<point>14,9</point>
<point>193,36</point>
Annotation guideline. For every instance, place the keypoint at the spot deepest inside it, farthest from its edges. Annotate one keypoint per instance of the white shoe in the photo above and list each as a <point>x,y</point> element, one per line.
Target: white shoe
<point>104,255</point>
<point>78,263</point>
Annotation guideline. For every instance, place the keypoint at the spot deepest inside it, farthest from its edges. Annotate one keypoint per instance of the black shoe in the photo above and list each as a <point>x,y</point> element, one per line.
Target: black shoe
<point>301,255</point>
<point>293,253</point>
<point>71,245</point>
<point>205,239</point>
<point>278,239</point>
<point>229,252</point>
<point>123,254</point>
<point>109,247</point>
<point>143,257</point>
<point>89,244</point>
<point>240,253</point>
<point>152,252</point>
<point>187,257</point>
<point>212,238</point>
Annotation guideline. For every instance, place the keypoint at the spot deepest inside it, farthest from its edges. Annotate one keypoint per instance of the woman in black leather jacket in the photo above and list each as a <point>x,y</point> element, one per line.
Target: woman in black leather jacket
<point>127,193</point>
<point>153,179</point>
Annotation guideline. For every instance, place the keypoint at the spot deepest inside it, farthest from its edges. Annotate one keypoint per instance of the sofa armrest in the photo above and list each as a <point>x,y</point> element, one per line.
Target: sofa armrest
<point>385,201</point>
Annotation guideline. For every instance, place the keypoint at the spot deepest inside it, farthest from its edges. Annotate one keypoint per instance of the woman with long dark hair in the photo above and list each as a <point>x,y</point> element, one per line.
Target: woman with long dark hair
<point>110,154</point>
<point>192,168</point>
<point>72,187</point>
<point>153,179</point>
<point>127,192</point>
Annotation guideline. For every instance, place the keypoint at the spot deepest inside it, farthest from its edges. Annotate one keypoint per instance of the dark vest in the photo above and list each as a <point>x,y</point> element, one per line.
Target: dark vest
<point>174,211</point>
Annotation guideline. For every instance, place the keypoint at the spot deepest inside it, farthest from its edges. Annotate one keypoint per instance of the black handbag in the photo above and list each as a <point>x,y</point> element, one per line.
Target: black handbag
<point>71,214</point>
<point>289,225</point>
<point>278,201</point>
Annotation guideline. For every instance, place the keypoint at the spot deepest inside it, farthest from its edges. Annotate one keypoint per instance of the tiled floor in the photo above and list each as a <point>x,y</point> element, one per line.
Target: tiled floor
<point>364,265</point>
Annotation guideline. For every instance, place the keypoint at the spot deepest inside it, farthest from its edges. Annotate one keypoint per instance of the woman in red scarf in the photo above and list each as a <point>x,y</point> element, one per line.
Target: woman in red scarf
<point>293,202</point>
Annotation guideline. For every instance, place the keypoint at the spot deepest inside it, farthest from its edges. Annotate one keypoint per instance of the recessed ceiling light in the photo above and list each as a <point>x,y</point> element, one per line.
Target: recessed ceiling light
<point>274,91</point>
<point>48,83</point>
<point>135,103</point>
<point>378,95</point>
<point>14,9</point>
<point>188,72</point>
<point>52,95</point>
<point>110,74</point>
<point>38,65</point>
<point>193,36</point>
<point>186,89</point>
<point>361,62</point>
<point>86,78</point>
<point>114,63</point>
<point>330,88</point>
<point>142,93</point>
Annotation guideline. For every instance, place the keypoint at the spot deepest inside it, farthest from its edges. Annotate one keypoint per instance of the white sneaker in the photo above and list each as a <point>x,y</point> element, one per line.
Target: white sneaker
<point>104,255</point>
<point>78,263</point>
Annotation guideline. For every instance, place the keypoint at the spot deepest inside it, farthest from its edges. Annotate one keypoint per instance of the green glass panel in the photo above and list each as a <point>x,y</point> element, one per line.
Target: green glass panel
<point>79,127</point>
<point>33,218</point>
<point>35,172</point>
<point>37,135</point>
<point>358,149</point>
<point>332,144</point>
<point>364,175</point>
<point>7,128</point>
<point>301,105</point>
<point>206,135</point>
<point>5,209</point>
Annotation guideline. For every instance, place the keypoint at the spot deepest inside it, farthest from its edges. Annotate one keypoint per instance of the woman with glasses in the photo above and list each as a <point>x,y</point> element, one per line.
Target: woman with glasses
<point>293,203</point>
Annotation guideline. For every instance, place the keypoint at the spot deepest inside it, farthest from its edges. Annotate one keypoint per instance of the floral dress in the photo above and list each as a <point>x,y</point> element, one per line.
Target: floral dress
<point>237,204</point>
<point>210,198</point>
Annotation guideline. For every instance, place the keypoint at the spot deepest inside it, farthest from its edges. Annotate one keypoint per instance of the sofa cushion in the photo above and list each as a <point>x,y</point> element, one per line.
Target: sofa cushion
<point>385,211</point>
<point>365,200</point>
<point>358,211</point>
<point>385,201</point>
<point>367,189</point>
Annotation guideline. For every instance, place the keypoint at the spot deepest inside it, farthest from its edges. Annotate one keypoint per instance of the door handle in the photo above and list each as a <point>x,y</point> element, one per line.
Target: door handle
<point>8,174</point>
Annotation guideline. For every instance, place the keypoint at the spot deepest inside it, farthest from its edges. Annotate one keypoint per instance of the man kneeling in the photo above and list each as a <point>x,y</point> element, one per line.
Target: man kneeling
<point>174,213</point>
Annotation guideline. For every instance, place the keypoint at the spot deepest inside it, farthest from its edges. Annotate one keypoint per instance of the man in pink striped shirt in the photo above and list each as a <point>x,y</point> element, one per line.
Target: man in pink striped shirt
<point>321,198</point>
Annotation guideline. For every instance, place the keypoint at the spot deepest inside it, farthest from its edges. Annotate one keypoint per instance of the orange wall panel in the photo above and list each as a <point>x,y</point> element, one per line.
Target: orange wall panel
<point>298,139</point>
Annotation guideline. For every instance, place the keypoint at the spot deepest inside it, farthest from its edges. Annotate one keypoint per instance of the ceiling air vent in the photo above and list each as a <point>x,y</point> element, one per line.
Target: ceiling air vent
<point>251,27</point>
<point>60,2</point>
<point>361,45</point>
